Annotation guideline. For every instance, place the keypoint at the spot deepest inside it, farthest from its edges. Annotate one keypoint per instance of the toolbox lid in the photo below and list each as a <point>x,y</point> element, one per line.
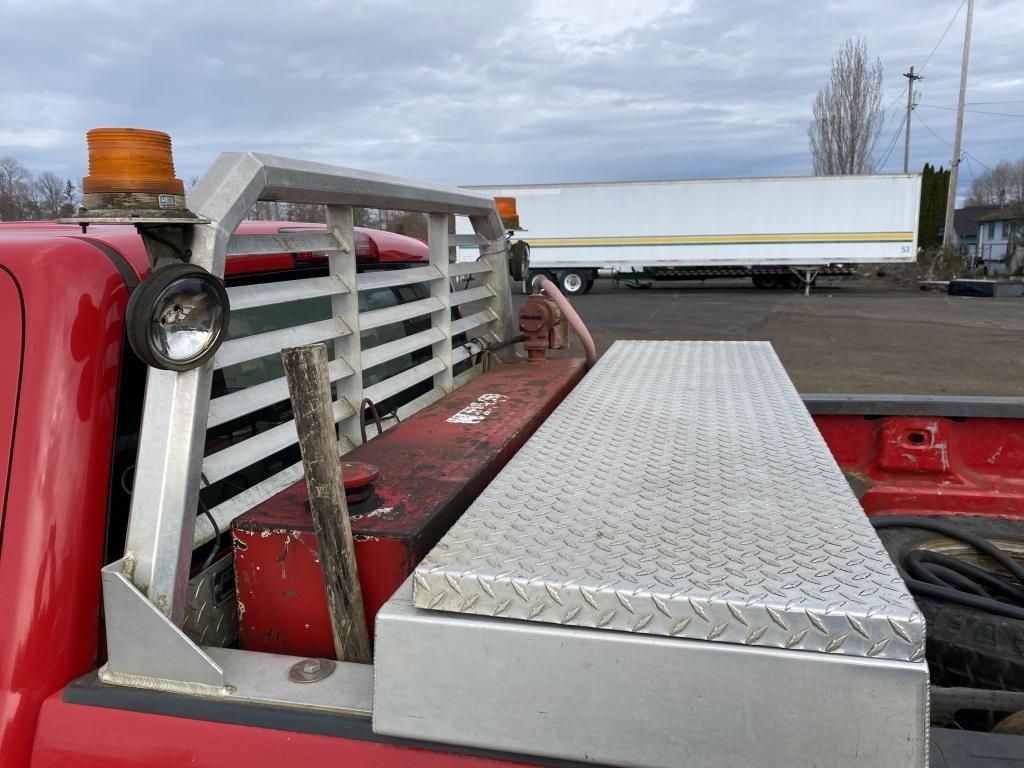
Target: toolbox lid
<point>683,490</point>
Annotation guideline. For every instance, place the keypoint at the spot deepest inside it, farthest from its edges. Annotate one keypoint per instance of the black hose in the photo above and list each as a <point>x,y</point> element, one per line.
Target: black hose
<point>939,576</point>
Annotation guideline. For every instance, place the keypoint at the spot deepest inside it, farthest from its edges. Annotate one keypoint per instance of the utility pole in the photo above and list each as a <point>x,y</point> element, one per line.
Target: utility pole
<point>947,233</point>
<point>911,77</point>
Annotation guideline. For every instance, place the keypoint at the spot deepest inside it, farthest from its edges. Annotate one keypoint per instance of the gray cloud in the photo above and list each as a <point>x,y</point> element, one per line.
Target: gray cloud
<point>478,92</point>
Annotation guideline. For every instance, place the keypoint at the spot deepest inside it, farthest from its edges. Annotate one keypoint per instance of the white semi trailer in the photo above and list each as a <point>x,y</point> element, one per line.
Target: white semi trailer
<point>780,232</point>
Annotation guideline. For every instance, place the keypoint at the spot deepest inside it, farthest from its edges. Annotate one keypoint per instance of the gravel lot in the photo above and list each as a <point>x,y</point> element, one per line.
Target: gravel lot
<point>850,336</point>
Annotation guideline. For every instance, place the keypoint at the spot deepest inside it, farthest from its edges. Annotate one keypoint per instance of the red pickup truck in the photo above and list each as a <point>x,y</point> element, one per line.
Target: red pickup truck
<point>72,408</point>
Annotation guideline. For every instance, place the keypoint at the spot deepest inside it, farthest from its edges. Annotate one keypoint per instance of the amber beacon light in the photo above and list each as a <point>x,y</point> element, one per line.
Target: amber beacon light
<point>131,180</point>
<point>178,317</point>
<point>130,160</point>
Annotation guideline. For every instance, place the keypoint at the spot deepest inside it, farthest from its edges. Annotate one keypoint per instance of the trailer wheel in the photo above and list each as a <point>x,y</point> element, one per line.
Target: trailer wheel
<point>532,283</point>
<point>966,647</point>
<point>572,282</point>
<point>590,284</point>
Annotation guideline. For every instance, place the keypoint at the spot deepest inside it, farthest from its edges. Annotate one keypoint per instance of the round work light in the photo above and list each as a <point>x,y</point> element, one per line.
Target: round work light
<point>178,317</point>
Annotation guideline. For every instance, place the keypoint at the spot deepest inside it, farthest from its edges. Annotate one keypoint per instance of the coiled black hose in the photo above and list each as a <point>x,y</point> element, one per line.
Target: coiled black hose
<point>939,576</point>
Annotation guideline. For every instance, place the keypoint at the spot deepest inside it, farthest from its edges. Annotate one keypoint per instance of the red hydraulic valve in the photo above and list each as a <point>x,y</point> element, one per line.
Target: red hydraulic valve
<point>544,325</point>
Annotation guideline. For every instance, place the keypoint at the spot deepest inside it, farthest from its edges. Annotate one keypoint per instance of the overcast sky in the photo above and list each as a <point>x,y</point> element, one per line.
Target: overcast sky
<point>495,92</point>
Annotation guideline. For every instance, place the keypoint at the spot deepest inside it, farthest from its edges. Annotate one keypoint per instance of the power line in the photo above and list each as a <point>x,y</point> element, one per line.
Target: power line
<point>973,111</point>
<point>946,32</point>
<point>979,103</point>
<point>892,142</point>
<point>968,154</point>
<point>933,133</point>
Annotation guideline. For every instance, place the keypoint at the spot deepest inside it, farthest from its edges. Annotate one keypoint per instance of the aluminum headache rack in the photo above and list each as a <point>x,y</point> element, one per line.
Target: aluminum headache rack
<point>145,592</point>
<point>672,571</point>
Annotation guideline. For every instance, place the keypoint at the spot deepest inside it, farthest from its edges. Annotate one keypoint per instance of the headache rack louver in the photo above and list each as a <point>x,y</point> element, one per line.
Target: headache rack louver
<point>145,591</point>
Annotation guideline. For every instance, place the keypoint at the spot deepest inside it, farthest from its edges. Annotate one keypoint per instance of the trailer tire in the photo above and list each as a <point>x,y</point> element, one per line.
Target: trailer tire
<point>532,283</point>
<point>572,282</point>
<point>590,284</point>
<point>966,647</point>
<point>766,281</point>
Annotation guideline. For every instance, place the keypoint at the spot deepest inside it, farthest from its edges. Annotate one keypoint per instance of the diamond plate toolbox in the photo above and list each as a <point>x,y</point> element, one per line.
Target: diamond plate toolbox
<point>681,490</point>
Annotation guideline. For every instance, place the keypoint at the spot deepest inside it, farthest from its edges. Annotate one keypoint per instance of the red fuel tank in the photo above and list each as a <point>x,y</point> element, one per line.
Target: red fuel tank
<point>432,466</point>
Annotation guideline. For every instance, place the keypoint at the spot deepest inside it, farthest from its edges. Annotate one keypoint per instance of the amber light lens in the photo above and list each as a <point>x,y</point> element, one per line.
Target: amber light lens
<point>506,207</point>
<point>130,160</point>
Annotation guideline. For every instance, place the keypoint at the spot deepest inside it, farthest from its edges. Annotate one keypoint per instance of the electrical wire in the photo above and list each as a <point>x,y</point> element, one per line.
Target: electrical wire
<point>973,111</point>
<point>892,143</point>
<point>933,133</point>
<point>944,33</point>
<point>939,576</point>
<point>216,547</point>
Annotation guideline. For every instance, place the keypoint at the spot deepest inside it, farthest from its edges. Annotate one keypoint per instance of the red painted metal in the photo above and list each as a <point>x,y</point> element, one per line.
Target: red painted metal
<point>544,325</point>
<point>56,501</point>
<point>358,479</point>
<point>55,506</point>
<point>372,246</point>
<point>94,737</point>
<point>432,466</point>
<point>11,339</point>
<point>921,465</point>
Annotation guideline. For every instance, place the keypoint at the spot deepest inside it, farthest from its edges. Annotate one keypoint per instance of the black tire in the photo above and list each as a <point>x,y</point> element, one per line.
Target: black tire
<point>590,284</point>
<point>519,260</point>
<point>573,282</point>
<point>965,646</point>
<point>763,281</point>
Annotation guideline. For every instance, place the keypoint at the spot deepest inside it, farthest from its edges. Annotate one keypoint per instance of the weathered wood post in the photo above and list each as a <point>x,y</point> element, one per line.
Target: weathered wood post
<point>310,391</point>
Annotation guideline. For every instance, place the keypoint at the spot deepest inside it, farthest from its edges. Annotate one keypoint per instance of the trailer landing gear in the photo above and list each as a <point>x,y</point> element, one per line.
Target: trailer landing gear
<point>806,277</point>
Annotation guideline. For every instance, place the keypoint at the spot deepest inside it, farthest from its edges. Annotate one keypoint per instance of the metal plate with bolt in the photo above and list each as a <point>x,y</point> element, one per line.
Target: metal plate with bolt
<point>695,499</point>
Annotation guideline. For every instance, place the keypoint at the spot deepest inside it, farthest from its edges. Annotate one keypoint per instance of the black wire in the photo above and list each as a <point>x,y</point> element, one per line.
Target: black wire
<point>892,143</point>
<point>216,547</point>
<point>932,574</point>
<point>367,402</point>
<point>946,32</point>
<point>202,508</point>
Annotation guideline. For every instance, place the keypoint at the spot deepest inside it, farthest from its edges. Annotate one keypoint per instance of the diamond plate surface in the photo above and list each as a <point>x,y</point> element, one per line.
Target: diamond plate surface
<point>683,490</point>
<point>211,612</point>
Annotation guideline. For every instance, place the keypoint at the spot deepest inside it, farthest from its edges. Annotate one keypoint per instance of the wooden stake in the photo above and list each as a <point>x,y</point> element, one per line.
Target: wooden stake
<point>309,388</point>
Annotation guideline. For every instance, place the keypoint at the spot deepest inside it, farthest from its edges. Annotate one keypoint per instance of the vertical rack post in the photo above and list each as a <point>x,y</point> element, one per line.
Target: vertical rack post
<point>345,306</point>
<point>440,288</point>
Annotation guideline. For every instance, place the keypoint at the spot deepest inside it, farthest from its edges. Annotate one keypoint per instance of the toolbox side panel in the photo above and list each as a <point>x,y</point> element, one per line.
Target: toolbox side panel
<point>637,700</point>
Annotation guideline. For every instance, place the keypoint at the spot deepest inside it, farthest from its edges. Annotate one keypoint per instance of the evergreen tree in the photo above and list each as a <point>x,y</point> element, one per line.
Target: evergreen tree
<point>934,188</point>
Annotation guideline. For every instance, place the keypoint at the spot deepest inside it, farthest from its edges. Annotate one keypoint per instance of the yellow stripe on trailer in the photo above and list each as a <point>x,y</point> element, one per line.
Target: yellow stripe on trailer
<point>803,237</point>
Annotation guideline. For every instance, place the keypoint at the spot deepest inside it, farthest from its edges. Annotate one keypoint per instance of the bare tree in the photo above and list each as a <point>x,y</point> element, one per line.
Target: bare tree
<point>1002,184</point>
<point>15,201</point>
<point>847,114</point>
<point>50,194</point>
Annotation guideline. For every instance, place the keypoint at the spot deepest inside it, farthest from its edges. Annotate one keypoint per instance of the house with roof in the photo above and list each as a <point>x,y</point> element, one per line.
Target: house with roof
<point>1000,240</point>
<point>965,228</point>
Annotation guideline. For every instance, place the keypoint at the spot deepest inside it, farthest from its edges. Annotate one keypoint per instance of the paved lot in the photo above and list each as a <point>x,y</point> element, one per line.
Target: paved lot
<point>853,336</point>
